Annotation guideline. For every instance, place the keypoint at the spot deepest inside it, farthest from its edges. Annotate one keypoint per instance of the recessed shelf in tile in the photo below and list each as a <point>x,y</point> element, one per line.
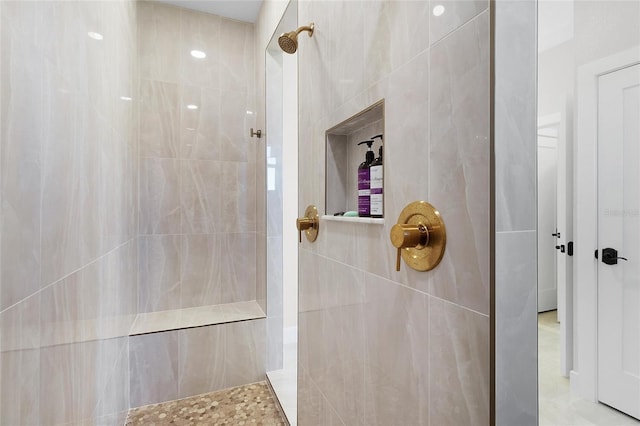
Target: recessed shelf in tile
<point>344,155</point>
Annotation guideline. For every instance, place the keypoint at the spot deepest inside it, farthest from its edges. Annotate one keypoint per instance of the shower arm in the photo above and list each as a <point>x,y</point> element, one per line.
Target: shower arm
<point>308,28</point>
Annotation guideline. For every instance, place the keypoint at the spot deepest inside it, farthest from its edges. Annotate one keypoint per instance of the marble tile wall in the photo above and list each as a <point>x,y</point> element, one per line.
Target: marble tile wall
<point>182,363</point>
<point>69,210</point>
<point>516,297</point>
<point>378,346</point>
<point>198,239</point>
<point>198,198</point>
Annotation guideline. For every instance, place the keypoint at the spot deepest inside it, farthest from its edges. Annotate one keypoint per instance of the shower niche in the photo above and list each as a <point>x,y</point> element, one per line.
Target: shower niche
<point>346,151</point>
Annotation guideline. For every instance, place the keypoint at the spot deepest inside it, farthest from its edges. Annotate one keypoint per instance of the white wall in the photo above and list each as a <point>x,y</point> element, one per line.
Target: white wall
<point>556,78</point>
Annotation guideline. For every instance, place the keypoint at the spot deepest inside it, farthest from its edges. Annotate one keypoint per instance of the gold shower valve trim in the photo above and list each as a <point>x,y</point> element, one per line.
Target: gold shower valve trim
<point>310,224</point>
<point>420,236</point>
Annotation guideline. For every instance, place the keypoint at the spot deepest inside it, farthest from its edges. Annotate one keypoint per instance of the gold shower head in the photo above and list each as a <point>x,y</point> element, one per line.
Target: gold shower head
<point>289,41</point>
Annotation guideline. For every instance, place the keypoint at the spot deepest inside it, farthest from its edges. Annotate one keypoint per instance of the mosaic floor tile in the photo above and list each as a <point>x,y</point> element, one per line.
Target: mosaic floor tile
<point>245,405</point>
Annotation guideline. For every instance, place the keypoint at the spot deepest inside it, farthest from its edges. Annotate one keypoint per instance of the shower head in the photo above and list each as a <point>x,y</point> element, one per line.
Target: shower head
<point>289,41</point>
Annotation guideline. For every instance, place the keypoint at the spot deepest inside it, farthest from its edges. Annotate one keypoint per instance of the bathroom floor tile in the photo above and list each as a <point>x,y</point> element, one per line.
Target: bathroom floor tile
<point>557,405</point>
<point>250,404</point>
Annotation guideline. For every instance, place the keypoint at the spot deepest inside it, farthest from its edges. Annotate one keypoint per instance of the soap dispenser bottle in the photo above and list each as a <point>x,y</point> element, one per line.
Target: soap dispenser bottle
<point>376,183</point>
<point>364,189</point>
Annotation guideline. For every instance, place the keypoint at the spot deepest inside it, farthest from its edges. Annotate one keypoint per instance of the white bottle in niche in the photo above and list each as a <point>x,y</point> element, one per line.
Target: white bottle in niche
<point>376,179</point>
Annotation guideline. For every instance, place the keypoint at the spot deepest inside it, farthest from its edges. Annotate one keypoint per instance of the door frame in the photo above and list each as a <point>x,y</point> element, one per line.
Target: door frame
<point>583,376</point>
<point>561,120</point>
<point>545,122</point>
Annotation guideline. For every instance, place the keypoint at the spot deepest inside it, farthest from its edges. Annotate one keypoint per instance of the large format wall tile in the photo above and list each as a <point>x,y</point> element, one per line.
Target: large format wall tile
<point>313,406</point>
<point>153,361</point>
<point>20,384</point>
<point>159,119</point>
<point>516,328</point>
<point>202,360</point>
<point>201,31</point>
<point>217,269</point>
<point>455,14</point>
<point>397,360</point>
<point>516,133</point>
<point>237,58</point>
<point>516,370</point>
<point>331,332</point>
<point>459,365</point>
<point>197,163</point>
<point>236,117</point>
<point>459,162</point>
<point>388,47</point>
<point>158,41</point>
<point>421,339</point>
<point>202,194</point>
<point>70,207</point>
<point>21,94</point>
<point>200,128</point>
<point>69,385</point>
<point>160,210</point>
<point>20,362</point>
<point>69,167</point>
<point>176,364</point>
<point>159,272</point>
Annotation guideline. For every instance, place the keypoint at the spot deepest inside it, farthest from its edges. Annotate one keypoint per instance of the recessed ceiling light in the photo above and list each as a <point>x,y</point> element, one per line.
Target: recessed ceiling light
<point>192,106</point>
<point>249,112</point>
<point>95,36</point>
<point>198,54</point>
<point>125,98</point>
<point>438,10</point>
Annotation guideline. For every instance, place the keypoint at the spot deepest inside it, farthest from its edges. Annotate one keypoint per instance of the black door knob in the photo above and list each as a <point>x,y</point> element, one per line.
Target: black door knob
<point>610,256</point>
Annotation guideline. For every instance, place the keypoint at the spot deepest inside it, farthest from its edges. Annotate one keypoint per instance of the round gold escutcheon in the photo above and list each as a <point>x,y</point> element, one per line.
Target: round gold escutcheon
<point>420,235</point>
<point>310,224</point>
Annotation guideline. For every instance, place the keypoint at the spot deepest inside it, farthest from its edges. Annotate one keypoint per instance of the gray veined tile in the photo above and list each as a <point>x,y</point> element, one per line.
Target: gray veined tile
<point>400,32</point>
<point>397,358</point>
<point>201,196</point>
<point>237,59</point>
<point>459,162</point>
<point>160,209</point>
<point>201,270</point>
<point>459,365</point>
<point>158,41</point>
<point>22,95</point>
<point>448,15</point>
<point>200,31</point>
<point>159,119</point>
<point>159,274</point>
<point>202,360</point>
<point>200,128</point>
<point>516,333</point>
<point>154,368</point>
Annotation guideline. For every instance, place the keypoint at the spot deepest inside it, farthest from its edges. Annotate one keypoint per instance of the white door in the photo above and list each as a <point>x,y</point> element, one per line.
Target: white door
<point>547,226</point>
<point>619,229</point>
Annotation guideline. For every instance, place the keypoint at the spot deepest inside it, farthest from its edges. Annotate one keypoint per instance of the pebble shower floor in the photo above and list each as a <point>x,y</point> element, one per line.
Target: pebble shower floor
<point>244,405</point>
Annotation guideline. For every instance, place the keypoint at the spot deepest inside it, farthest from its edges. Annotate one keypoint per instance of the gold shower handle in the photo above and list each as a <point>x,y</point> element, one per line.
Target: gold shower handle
<point>309,223</point>
<point>408,236</point>
<point>420,236</point>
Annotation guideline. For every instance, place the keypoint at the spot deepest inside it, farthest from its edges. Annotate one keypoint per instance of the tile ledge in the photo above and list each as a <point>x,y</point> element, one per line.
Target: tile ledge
<point>178,319</point>
<point>370,220</point>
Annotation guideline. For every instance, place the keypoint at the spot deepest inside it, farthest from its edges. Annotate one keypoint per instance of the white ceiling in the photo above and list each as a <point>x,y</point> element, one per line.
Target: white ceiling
<point>555,23</point>
<point>242,10</point>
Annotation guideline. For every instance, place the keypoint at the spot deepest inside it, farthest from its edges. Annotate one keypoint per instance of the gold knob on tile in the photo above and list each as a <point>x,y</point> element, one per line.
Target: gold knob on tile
<point>420,236</point>
<point>309,224</point>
